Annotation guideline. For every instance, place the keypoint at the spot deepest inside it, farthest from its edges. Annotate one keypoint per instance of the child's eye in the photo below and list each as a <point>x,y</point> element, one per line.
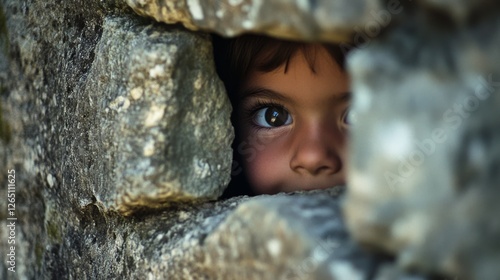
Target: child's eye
<point>272,116</point>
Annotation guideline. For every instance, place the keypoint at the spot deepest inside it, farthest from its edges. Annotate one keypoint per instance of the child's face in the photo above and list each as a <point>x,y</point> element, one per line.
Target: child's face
<point>294,125</point>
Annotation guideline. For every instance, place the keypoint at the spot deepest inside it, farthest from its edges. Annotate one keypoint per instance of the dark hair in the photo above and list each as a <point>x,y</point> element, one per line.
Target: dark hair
<point>236,57</point>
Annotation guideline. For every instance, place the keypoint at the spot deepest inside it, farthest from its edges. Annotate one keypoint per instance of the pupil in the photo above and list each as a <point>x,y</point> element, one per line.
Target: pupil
<point>276,116</point>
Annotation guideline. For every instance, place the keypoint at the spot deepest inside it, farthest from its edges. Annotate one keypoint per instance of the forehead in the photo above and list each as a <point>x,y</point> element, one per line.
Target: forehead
<point>277,56</point>
<point>311,63</point>
<point>299,83</point>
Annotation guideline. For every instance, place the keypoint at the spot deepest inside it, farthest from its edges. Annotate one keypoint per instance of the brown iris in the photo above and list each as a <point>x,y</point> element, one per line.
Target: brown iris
<point>276,116</point>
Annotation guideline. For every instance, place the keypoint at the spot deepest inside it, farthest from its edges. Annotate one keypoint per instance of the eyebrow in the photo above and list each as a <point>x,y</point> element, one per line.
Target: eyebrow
<point>263,93</point>
<point>260,92</point>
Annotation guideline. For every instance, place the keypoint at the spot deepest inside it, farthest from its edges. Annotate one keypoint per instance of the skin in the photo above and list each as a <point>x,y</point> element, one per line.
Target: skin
<point>306,150</point>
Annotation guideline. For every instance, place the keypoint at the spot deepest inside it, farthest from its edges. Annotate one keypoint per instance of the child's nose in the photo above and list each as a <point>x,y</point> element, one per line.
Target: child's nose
<point>317,151</point>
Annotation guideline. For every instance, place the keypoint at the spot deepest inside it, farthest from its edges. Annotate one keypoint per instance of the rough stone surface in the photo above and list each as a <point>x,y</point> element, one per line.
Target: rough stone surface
<point>24,87</point>
<point>459,10</point>
<point>424,179</point>
<point>305,20</point>
<point>163,119</point>
<point>266,238</point>
<point>130,113</point>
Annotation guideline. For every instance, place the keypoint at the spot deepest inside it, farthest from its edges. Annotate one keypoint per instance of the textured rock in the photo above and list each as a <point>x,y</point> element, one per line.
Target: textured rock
<point>24,83</point>
<point>460,10</point>
<point>163,119</point>
<point>131,113</point>
<point>268,238</point>
<point>306,20</point>
<point>241,238</point>
<point>58,81</point>
<point>425,156</point>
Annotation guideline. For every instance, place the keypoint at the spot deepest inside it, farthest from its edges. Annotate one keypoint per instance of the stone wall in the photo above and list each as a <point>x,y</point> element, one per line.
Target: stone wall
<point>118,130</point>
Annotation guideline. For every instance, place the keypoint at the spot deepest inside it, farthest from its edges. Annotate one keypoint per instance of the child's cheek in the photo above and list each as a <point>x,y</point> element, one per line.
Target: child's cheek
<point>266,170</point>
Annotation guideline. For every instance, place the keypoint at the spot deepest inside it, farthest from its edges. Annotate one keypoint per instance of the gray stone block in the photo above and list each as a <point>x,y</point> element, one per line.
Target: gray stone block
<point>425,156</point>
<point>122,111</point>
<point>267,237</point>
<point>162,117</point>
<point>307,20</point>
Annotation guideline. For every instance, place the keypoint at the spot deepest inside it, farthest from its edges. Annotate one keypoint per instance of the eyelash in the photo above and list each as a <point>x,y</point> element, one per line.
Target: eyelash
<point>252,111</point>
